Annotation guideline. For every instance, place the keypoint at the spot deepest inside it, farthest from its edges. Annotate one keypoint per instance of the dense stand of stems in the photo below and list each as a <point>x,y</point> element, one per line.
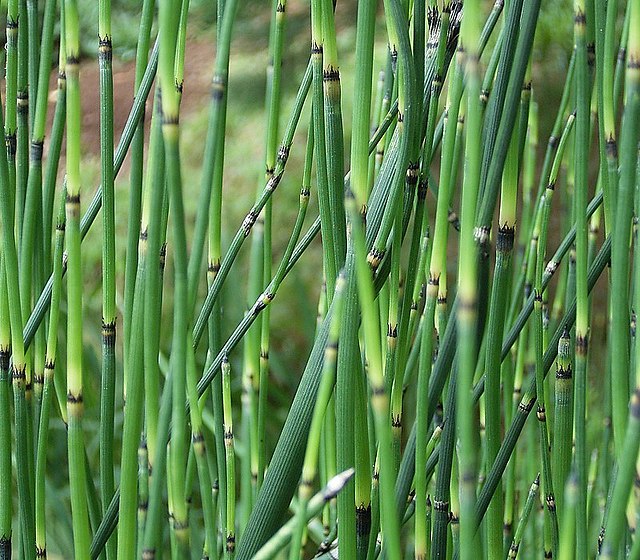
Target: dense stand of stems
<point>391,344</point>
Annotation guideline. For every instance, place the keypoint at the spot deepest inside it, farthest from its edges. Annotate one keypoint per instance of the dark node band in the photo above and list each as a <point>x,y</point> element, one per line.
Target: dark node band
<point>11,144</point>
<point>36,150</point>
<point>273,182</point>
<point>19,373</point>
<point>283,153</point>
<point>440,505</point>
<point>564,372</point>
<point>504,241</point>
<point>248,222</point>
<point>331,75</point>
<point>551,502</point>
<point>633,63</point>
<point>525,406</point>
<point>74,399</point>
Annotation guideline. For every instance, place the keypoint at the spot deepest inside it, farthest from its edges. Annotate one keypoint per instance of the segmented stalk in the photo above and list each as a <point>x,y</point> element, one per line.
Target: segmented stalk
<point>75,405</point>
<point>108,261</point>
<point>309,469</point>
<point>563,424</point>
<point>48,388</point>
<point>281,537</point>
<point>317,61</point>
<point>230,531</point>
<point>620,322</point>
<point>467,313</point>
<point>524,517</point>
<point>6,442</point>
<point>495,329</point>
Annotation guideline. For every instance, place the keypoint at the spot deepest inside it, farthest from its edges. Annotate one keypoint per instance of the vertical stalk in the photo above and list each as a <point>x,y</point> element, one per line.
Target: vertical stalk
<point>549,496</point>
<point>359,182</point>
<point>309,469</point>
<point>334,134</point>
<point>230,532</point>
<point>563,424</point>
<point>11,85</point>
<point>495,328</point>
<point>75,405</point>
<point>522,522</point>
<point>108,262</point>
<point>619,281</point>
<point>467,285</point>
<point>135,184</point>
<point>47,393</point>
<point>317,60</point>
<point>171,135</point>
<point>6,444</point>
<point>273,98</point>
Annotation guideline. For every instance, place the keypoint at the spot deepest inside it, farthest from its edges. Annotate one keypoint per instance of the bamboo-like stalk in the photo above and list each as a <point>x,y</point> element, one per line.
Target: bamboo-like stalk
<point>445,356</point>
<point>620,323</point>
<point>230,531</point>
<point>24,222</point>
<point>105,54</point>
<point>280,539</point>
<point>467,289</point>
<point>568,533</point>
<point>155,194</point>
<point>47,392</point>
<point>380,399</point>
<point>132,424</point>
<point>309,469</point>
<point>334,133</point>
<point>11,85</point>
<point>495,329</point>
<point>504,74</point>
<point>171,135</point>
<point>55,146</point>
<point>608,101</point>
<point>524,517</point>
<point>317,60</point>
<point>273,99</point>
<point>626,453</point>
<point>6,506</point>
<point>75,405</point>
<point>551,524</point>
<point>202,462</point>
<point>135,176</point>
<point>563,425</point>
<point>33,238</point>
<point>33,39</point>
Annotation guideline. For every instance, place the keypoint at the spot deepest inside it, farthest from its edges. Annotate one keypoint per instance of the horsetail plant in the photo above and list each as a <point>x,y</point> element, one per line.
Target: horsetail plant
<point>410,393</point>
<point>75,402</point>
